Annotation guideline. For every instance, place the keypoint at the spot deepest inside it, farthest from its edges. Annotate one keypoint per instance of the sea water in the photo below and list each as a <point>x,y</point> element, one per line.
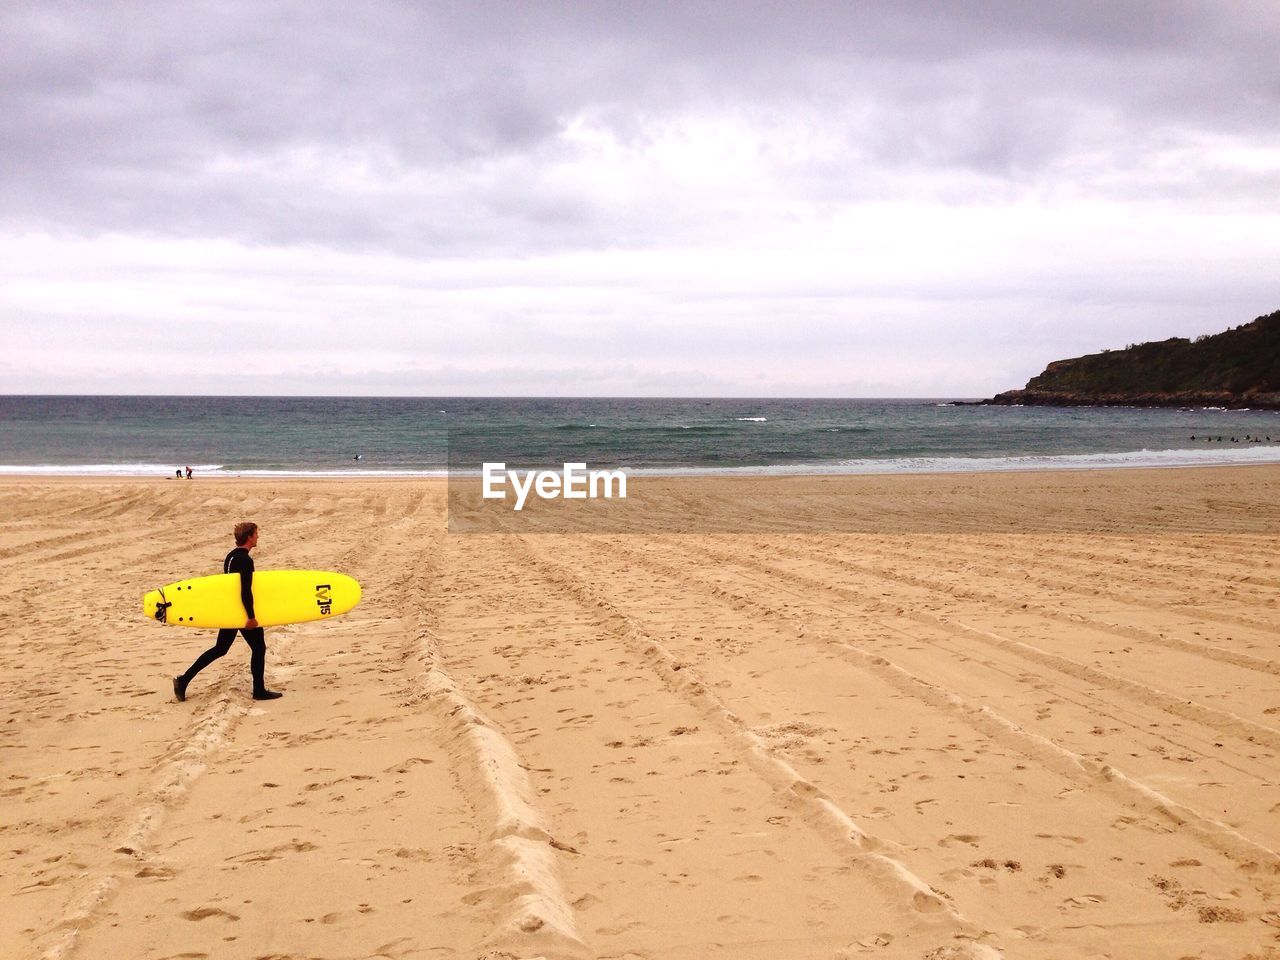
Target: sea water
<point>152,435</point>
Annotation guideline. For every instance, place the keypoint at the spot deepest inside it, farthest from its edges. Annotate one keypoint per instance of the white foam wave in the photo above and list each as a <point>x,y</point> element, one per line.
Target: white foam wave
<point>107,469</point>
<point>198,470</point>
<point>1076,461</point>
<point>1244,454</point>
<point>362,474</point>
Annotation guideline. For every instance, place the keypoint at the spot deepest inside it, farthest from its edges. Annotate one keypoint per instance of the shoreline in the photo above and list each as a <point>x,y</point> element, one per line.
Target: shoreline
<point>1260,454</point>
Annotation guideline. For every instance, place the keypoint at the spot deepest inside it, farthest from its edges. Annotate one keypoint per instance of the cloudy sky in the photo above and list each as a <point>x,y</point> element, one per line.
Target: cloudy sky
<point>895,198</point>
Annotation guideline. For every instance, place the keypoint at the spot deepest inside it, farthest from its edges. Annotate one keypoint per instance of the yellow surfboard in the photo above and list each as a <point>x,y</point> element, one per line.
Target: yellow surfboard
<point>279,597</point>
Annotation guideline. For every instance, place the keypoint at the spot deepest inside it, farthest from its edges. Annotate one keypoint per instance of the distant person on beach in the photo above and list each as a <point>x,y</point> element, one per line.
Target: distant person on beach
<point>178,473</point>
<point>237,561</point>
<point>188,473</point>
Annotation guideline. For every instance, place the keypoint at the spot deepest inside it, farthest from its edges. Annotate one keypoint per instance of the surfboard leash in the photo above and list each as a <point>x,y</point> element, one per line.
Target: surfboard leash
<point>162,608</point>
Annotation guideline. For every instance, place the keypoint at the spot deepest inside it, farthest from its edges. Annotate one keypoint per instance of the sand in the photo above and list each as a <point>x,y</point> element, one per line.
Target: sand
<point>955,742</point>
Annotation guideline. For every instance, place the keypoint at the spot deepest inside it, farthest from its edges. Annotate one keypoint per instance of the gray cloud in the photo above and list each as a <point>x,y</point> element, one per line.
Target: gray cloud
<point>429,128</point>
<point>896,196</point>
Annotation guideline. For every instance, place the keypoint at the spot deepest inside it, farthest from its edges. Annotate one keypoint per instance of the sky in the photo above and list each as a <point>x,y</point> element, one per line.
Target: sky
<point>895,198</point>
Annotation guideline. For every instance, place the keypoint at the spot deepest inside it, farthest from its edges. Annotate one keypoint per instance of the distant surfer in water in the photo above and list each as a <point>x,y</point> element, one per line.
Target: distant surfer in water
<point>237,561</point>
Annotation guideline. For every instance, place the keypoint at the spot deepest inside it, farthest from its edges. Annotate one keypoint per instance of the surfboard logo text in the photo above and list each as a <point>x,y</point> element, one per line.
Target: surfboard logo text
<point>323,597</point>
<point>574,482</point>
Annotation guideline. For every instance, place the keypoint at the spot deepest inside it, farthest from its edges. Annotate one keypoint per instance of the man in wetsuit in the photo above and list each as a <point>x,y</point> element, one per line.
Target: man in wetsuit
<point>237,561</point>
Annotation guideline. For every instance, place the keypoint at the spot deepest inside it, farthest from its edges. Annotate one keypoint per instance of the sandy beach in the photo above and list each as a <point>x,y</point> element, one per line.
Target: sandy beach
<point>983,740</point>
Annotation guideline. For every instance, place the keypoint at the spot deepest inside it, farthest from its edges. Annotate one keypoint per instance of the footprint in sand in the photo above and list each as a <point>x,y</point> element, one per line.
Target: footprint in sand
<point>204,913</point>
<point>1060,836</point>
<point>274,853</point>
<point>989,863</point>
<point>1084,900</point>
<point>876,940</point>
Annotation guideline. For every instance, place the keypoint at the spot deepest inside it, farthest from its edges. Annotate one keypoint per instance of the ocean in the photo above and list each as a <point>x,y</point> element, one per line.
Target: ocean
<point>348,436</point>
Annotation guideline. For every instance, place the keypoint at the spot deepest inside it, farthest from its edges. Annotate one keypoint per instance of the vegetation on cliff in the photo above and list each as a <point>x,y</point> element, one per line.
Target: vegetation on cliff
<point>1239,367</point>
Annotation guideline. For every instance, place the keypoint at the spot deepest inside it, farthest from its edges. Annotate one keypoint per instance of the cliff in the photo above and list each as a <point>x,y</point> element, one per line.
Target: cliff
<point>1236,368</point>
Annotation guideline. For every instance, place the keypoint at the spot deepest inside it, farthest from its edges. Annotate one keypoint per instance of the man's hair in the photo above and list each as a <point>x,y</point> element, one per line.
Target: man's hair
<point>244,531</point>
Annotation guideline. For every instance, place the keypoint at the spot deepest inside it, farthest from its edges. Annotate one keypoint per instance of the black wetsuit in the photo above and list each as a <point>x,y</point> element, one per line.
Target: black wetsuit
<point>237,561</point>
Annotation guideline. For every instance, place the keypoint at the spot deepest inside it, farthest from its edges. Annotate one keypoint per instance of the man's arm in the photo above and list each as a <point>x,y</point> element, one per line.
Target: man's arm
<point>244,566</point>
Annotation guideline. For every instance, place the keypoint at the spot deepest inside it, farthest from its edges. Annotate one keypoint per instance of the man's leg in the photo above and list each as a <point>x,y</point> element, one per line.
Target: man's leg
<point>219,649</point>
<point>258,662</point>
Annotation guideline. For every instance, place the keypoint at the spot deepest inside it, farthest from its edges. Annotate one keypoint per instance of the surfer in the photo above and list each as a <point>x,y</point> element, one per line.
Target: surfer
<point>237,561</point>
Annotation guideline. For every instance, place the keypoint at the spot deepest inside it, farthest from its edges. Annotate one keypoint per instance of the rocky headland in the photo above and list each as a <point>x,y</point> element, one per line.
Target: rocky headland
<point>1237,368</point>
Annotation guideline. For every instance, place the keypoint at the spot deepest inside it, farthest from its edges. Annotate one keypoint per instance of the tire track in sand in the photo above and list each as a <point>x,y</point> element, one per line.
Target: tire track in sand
<point>176,772</point>
<point>1246,853</point>
<point>1191,557</point>
<point>532,914</point>
<point>1221,720</point>
<point>1208,651</point>
<point>976,565</point>
<point>916,901</point>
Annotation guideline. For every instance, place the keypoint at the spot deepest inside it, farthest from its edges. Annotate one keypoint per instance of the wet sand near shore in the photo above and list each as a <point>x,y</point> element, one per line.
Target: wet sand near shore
<point>928,744</point>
